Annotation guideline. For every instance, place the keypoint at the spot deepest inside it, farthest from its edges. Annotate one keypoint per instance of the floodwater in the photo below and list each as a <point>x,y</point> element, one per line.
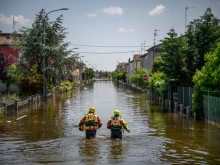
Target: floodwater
<point>49,134</point>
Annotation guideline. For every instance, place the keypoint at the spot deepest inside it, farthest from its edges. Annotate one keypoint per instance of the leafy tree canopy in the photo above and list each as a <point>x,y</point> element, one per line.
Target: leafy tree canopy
<point>45,41</point>
<point>173,58</point>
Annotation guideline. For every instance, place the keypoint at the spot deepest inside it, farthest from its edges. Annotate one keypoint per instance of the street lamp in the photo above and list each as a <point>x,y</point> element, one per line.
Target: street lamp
<point>44,85</point>
<point>80,70</point>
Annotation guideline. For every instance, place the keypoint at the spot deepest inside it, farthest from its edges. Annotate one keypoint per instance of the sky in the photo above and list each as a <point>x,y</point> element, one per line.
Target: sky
<point>106,32</point>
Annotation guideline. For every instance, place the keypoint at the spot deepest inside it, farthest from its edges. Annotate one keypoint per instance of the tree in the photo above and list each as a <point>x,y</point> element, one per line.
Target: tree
<point>5,62</point>
<point>159,84</point>
<point>207,79</point>
<point>33,48</point>
<point>88,74</point>
<point>173,58</point>
<point>137,77</point>
<point>117,75</point>
<point>202,37</point>
<point>157,64</point>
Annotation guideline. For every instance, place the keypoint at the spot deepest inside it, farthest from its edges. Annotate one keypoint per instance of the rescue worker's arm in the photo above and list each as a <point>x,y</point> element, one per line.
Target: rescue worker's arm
<point>81,123</point>
<point>124,125</point>
<point>109,124</point>
<point>99,123</point>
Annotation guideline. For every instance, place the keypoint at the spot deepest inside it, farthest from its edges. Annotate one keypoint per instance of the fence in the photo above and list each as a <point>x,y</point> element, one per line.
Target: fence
<point>211,107</point>
<point>18,104</point>
<point>185,96</point>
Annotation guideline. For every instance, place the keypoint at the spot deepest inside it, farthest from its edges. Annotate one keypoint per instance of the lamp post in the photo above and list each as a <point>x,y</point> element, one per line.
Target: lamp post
<point>80,71</point>
<point>44,79</point>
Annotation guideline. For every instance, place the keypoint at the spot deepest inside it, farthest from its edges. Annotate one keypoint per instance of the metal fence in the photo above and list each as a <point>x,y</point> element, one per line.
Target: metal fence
<point>211,107</point>
<point>185,96</point>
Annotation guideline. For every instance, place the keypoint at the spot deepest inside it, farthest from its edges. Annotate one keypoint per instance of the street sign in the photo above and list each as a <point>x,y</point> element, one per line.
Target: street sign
<point>145,77</point>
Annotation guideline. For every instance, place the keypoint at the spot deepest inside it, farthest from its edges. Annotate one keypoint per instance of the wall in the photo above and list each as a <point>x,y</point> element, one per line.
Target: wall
<point>152,55</point>
<point>12,88</point>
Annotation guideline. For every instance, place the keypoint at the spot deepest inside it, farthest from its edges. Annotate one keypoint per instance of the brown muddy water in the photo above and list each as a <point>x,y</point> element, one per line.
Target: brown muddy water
<point>49,134</point>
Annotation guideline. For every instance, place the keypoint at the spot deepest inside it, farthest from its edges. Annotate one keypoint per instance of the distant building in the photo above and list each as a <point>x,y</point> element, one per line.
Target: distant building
<point>153,52</point>
<point>14,55</point>
<point>5,41</point>
<point>136,62</point>
<point>144,60</point>
<point>122,67</point>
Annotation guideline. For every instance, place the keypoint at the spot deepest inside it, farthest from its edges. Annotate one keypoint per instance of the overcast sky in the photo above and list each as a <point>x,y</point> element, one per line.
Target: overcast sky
<point>108,23</point>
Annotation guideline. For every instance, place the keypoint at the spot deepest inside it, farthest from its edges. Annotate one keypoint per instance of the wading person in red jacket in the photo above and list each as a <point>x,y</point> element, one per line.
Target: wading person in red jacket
<point>116,124</point>
<point>90,123</point>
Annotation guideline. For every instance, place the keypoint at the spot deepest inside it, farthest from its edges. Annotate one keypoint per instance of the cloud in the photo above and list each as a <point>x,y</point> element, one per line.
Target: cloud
<point>131,30</point>
<point>100,51</point>
<point>157,10</point>
<point>219,3</point>
<point>9,20</point>
<point>92,15</point>
<point>113,11</point>
<point>122,30</point>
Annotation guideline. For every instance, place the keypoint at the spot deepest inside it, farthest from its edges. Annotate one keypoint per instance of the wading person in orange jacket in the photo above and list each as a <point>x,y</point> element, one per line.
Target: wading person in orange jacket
<point>90,123</point>
<point>116,124</point>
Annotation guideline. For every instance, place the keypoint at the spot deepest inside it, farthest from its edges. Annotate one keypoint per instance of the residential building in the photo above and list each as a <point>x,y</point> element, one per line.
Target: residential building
<point>144,60</point>
<point>129,67</point>
<point>136,62</point>
<point>121,67</point>
<point>153,52</point>
<point>5,41</point>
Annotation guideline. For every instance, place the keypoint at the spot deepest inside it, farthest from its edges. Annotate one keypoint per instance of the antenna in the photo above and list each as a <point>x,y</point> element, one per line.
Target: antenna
<point>14,22</point>
<point>186,8</point>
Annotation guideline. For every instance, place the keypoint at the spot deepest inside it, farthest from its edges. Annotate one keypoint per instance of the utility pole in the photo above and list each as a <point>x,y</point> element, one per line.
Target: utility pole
<point>141,48</point>
<point>14,22</point>
<point>155,34</point>
<point>186,8</point>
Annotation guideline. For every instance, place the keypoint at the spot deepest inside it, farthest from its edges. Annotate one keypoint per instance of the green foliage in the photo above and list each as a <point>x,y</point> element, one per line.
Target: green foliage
<point>208,78</point>
<point>157,64</point>
<point>27,79</point>
<point>118,75</point>
<point>45,40</point>
<point>173,58</point>
<point>137,77</point>
<point>202,37</point>
<point>159,84</point>
<point>88,74</point>
<point>9,98</point>
<point>66,85</point>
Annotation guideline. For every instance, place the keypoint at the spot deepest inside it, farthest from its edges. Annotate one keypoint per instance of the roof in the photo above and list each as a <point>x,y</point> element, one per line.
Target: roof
<point>137,57</point>
<point>144,55</point>
<point>122,64</point>
<point>153,47</point>
<point>5,34</point>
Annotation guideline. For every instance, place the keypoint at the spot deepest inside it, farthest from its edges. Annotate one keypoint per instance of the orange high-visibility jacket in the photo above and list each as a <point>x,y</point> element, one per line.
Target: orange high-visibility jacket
<point>90,122</point>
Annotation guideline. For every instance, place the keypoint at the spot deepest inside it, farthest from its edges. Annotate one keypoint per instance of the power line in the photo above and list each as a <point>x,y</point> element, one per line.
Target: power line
<point>108,52</point>
<point>107,46</point>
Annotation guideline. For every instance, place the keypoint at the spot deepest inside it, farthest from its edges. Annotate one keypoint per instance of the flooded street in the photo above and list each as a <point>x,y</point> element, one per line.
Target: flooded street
<point>49,134</point>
